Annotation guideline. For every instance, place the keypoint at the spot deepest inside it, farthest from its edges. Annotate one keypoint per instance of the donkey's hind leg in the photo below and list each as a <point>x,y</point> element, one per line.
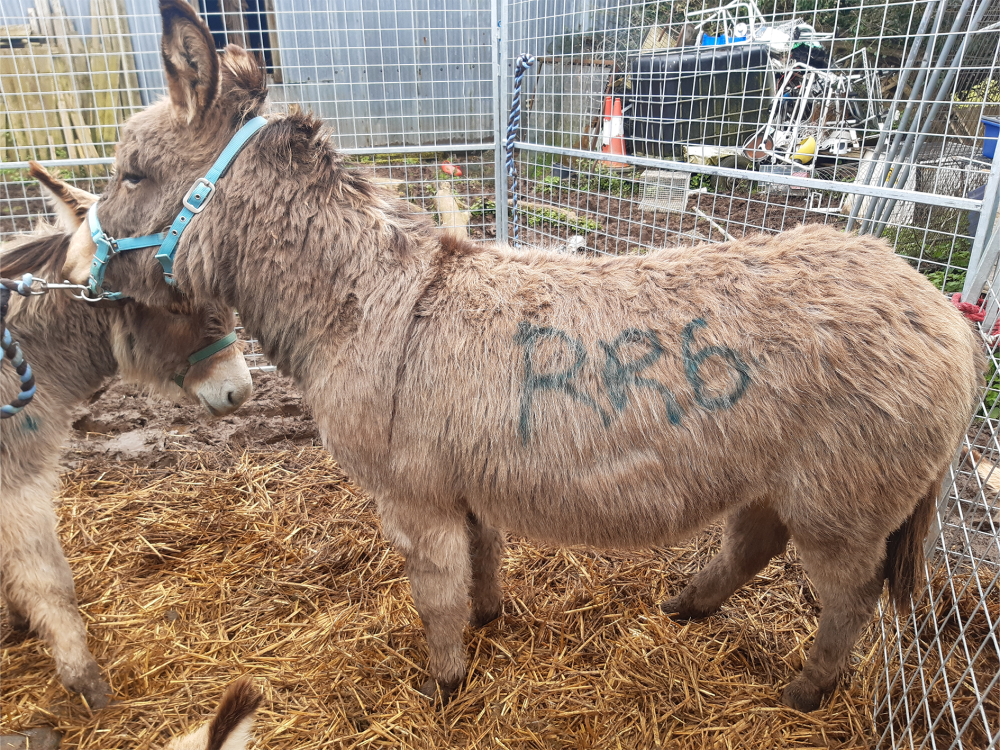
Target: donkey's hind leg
<point>37,584</point>
<point>487,545</point>
<point>849,579</point>
<point>435,543</point>
<point>754,535</point>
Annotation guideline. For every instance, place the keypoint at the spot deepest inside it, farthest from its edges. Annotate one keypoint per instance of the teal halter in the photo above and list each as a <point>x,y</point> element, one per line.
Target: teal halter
<point>193,204</point>
<point>228,340</point>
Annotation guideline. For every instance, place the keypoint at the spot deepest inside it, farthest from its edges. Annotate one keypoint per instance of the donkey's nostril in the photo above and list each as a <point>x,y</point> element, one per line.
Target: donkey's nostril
<point>231,399</point>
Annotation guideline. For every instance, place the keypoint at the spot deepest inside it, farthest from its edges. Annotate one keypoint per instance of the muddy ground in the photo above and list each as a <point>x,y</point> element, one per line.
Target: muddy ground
<point>124,424</point>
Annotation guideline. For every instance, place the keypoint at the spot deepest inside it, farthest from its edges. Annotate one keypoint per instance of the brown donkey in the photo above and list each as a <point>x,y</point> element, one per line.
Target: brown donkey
<point>809,386</point>
<point>73,348</point>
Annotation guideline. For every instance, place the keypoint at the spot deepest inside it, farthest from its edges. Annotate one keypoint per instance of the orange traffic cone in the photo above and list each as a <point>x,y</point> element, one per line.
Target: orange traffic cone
<point>613,133</point>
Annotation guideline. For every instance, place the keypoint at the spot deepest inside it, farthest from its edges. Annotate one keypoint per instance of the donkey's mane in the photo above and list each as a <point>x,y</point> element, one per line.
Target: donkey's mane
<point>300,138</point>
<point>300,143</point>
<point>42,254</point>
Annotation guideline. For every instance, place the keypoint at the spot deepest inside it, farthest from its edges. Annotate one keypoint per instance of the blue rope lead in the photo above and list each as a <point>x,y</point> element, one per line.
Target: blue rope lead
<point>11,349</point>
<point>522,64</point>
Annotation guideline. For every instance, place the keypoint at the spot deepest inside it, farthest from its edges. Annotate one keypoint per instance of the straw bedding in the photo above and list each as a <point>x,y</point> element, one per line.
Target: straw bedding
<point>268,562</point>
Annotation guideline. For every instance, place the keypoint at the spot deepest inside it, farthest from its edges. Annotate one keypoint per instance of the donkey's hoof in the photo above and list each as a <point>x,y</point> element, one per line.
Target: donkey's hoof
<point>98,694</point>
<point>678,609</point>
<point>482,619</point>
<point>95,690</point>
<point>802,695</point>
<point>445,690</point>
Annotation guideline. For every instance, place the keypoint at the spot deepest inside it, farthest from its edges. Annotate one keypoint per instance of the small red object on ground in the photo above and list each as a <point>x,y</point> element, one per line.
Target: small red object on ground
<point>450,169</point>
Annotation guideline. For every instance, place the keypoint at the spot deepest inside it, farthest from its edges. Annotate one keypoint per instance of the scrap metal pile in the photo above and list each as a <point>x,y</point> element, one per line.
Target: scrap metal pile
<point>788,99</point>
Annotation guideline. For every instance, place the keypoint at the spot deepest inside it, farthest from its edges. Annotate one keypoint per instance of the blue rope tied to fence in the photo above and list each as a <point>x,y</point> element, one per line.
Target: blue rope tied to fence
<point>11,349</point>
<point>521,65</point>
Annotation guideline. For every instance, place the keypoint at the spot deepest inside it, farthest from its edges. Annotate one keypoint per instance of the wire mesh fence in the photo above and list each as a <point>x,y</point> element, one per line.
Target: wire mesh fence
<point>408,88</point>
<point>644,125</point>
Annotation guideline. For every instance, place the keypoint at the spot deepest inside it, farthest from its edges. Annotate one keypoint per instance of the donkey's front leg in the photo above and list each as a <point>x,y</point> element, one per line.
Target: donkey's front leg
<point>487,546</point>
<point>436,545</point>
<point>37,585</point>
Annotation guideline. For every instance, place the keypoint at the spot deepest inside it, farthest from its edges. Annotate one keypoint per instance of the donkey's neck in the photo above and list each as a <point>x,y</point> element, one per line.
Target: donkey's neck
<point>321,263</point>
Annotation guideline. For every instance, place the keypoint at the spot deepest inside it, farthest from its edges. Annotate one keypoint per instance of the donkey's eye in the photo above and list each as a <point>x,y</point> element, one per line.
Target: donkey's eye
<point>132,179</point>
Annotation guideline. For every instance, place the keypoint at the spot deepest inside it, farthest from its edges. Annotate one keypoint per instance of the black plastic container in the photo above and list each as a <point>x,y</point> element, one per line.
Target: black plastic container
<point>715,96</point>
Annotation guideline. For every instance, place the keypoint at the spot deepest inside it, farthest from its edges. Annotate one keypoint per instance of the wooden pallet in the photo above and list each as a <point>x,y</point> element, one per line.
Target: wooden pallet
<point>64,95</point>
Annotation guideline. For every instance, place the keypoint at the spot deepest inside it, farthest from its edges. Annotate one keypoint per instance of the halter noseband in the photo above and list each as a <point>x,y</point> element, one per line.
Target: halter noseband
<point>228,340</point>
<point>193,203</point>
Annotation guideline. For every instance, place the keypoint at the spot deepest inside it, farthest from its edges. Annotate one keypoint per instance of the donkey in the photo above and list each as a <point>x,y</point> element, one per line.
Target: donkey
<point>810,385</point>
<point>74,347</point>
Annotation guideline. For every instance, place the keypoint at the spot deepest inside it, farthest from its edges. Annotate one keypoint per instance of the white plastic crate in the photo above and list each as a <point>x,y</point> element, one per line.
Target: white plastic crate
<point>664,190</point>
<point>786,169</point>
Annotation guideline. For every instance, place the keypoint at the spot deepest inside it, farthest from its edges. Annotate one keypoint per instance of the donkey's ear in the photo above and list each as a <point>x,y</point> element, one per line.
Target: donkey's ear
<point>230,728</point>
<point>70,203</point>
<point>189,59</point>
<point>243,87</point>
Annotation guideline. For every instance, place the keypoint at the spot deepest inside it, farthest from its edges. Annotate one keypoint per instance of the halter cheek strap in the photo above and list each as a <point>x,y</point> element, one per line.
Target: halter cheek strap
<point>201,193</point>
<point>205,353</point>
<point>108,247</point>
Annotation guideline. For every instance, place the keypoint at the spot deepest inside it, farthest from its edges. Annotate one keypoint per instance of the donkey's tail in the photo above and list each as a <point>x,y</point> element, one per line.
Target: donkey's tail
<point>904,550</point>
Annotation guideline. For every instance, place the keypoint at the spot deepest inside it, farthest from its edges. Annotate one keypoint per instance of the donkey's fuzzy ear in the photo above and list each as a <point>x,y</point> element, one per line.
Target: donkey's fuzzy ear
<point>189,59</point>
<point>70,203</point>
<point>243,86</point>
<point>230,728</point>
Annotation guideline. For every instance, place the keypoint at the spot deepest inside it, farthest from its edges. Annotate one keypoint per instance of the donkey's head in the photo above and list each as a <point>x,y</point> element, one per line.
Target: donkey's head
<point>167,147</point>
<point>153,345</point>
<point>229,728</point>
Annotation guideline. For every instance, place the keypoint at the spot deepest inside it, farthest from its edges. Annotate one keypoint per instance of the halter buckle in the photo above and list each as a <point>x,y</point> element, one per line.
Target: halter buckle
<point>198,196</point>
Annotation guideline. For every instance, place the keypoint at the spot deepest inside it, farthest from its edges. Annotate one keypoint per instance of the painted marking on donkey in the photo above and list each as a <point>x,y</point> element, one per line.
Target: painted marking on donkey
<point>529,335</point>
<point>692,367</point>
<point>618,375</point>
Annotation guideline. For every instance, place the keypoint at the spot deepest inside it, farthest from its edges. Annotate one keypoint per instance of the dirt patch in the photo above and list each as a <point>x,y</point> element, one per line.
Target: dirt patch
<point>608,211</point>
<point>124,424</point>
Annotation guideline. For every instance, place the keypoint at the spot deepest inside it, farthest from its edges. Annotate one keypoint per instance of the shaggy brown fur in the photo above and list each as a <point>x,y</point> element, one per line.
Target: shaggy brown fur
<point>73,348</point>
<point>47,251</point>
<point>809,386</point>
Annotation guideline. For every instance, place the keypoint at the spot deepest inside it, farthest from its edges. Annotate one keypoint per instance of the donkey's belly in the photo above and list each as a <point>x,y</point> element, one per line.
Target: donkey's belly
<point>629,515</point>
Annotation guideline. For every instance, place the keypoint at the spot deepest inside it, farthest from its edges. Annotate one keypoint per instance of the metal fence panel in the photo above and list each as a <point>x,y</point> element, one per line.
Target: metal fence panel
<point>392,73</point>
